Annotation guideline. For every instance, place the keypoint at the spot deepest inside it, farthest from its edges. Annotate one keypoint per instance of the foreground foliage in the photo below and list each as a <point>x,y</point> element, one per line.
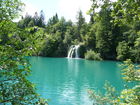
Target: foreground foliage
<point>15,45</point>
<point>128,96</point>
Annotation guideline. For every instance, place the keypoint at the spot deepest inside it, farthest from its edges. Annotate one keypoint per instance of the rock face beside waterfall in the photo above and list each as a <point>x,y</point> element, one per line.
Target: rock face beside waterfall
<point>74,51</point>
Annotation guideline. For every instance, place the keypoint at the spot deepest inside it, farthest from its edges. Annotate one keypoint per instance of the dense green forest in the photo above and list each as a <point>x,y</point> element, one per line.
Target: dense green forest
<point>113,33</point>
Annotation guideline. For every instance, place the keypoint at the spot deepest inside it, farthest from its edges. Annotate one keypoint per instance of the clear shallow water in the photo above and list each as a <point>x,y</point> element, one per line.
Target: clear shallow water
<point>65,81</point>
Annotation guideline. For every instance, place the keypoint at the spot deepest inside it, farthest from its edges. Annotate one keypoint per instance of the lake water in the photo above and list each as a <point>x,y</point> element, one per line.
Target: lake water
<point>66,81</point>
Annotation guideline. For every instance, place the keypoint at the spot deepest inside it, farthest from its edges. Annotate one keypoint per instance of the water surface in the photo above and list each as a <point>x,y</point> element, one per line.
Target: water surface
<point>65,81</point>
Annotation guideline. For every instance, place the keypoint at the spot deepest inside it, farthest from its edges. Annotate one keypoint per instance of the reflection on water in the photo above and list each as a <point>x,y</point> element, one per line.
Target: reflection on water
<point>65,81</point>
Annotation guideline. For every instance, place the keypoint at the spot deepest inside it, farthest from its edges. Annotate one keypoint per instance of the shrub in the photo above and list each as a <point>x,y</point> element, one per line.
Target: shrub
<point>92,55</point>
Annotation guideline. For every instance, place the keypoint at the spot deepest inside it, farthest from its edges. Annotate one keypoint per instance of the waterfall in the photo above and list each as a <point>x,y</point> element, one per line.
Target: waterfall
<point>73,52</point>
<point>70,52</point>
<point>76,51</point>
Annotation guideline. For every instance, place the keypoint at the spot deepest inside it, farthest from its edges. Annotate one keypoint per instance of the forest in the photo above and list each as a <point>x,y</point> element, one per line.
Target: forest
<point>113,33</point>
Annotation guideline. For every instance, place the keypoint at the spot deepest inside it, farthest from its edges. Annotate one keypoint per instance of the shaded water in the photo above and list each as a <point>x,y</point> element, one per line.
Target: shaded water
<point>65,81</point>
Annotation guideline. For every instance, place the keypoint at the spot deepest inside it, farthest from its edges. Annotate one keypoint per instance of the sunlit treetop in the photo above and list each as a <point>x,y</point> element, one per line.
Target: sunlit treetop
<point>9,9</point>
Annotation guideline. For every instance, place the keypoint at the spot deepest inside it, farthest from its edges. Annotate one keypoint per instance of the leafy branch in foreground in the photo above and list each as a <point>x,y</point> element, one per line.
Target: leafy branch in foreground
<point>15,89</point>
<point>128,96</point>
<point>15,45</point>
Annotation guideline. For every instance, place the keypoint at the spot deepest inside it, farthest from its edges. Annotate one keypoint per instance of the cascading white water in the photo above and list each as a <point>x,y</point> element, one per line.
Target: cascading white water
<point>70,51</point>
<point>73,51</point>
<point>76,51</point>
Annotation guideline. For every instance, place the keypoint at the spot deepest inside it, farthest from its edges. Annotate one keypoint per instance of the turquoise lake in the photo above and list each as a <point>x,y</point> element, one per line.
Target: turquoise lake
<point>66,81</point>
